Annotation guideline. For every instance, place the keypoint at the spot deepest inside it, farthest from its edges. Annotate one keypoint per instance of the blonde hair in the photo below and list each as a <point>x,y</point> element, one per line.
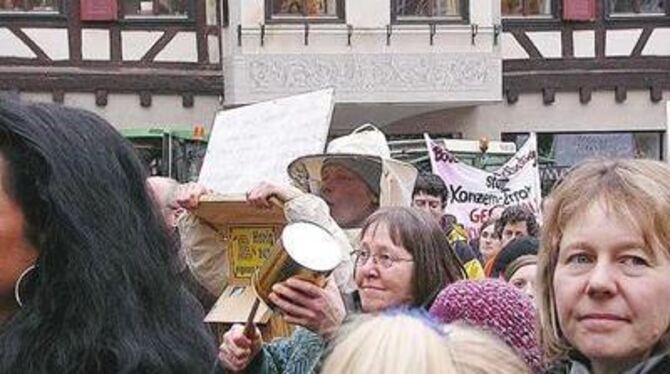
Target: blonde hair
<point>637,191</point>
<point>403,343</point>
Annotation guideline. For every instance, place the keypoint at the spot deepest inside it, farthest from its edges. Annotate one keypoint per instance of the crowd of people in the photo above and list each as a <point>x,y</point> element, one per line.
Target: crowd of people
<point>104,269</point>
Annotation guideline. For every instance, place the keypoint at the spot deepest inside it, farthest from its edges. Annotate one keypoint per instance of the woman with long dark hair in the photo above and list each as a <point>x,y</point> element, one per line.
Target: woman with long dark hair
<point>86,277</point>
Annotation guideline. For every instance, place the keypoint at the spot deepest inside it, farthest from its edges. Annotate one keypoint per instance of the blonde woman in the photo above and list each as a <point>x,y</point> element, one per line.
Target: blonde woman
<point>410,343</point>
<point>604,269</point>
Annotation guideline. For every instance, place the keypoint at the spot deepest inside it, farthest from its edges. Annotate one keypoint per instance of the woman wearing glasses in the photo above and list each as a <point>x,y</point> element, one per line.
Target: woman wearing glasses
<point>404,259</point>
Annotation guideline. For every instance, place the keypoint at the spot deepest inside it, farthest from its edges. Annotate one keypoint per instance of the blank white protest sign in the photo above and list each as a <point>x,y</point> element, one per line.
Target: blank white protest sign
<point>256,142</point>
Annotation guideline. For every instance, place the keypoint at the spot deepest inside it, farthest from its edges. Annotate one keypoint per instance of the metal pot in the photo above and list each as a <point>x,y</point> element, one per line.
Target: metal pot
<point>304,250</point>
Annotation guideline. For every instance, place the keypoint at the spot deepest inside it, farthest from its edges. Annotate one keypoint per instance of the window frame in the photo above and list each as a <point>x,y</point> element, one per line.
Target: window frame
<point>553,14</point>
<point>272,19</point>
<point>156,19</point>
<point>464,19</point>
<point>59,13</point>
<point>611,16</point>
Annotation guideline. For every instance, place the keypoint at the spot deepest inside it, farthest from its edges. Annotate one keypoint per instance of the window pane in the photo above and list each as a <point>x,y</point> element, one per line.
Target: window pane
<point>428,8</point>
<point>304,8</point>
<point>28,5</point>
<point>636,6</point>
<point>525,7</point>
<point>151,8</point>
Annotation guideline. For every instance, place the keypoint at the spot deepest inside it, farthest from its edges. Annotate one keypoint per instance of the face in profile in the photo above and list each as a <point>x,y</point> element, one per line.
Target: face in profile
<point>612,291</point>
<point>384,278</point>
<point>350,199</point>
<point>429,204</point>
<point>16,254</point>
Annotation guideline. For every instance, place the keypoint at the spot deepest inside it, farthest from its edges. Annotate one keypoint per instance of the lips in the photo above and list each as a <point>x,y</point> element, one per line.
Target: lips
<point>602,317</point>
<point>602,323</point>
<point>372,288</point>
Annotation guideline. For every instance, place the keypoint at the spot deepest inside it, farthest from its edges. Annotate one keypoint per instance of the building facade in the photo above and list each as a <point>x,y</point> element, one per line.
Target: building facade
<point>137,63</point>
<point>589,76</point>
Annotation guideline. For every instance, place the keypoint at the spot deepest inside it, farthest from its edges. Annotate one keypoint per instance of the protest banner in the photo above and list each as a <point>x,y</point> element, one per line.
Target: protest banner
<point>474,193</point>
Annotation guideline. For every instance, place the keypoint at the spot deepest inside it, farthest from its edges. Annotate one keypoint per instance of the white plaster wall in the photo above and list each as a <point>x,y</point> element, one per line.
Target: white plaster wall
<point>252,12</point>
<point>658,43</point>
<point>213,47</point>
<point>182,48</point>
<point>284,48</point>
<point>95,44</point>
<point>54,42</point>
<point>529,113</point>
<point>38,97</point>
<point>124,111</point>
<point>584,44</point>
<point>11,46</point>
<point>511,49</point>
<point>484,13</point>
<point>368,13</point>
<point>621,42</point>
<point>547,42</point>
<point>135,44</point>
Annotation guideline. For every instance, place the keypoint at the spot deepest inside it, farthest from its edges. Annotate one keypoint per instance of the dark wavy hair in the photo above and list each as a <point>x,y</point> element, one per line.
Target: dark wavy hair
<point>105,298</point>
<point>515,214</point>
<point>433,185</point>
<point>435,262</point>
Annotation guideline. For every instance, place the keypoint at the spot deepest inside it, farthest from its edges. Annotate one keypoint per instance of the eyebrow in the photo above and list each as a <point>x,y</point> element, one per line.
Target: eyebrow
<point>622,246</point>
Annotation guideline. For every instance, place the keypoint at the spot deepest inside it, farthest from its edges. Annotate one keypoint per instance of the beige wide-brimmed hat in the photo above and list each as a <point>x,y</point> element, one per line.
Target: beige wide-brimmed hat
<point>365,152</point>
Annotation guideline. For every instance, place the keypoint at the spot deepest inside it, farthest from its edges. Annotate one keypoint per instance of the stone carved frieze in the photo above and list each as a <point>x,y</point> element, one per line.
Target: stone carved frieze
<point>367,73</point>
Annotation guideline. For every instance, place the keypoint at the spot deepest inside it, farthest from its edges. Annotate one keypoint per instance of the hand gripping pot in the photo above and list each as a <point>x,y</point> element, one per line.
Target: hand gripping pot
<point>304,250</point>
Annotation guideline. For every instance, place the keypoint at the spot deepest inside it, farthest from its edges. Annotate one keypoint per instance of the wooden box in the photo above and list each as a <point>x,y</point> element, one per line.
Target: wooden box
<point>250,234</point>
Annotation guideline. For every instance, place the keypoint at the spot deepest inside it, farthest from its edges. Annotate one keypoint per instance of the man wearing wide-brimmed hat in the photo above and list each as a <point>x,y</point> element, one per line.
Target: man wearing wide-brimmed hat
<point>337,190</point>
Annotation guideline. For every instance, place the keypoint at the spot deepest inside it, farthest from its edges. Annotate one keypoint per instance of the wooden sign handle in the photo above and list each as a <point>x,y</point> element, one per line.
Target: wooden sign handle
<point>249,327</point>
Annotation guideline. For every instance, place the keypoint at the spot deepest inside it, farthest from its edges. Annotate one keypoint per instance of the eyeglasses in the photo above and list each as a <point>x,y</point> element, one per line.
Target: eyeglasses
<point>384,259</point>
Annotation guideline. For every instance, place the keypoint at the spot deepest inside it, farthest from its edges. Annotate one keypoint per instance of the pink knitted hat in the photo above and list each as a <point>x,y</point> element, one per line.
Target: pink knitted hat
<point>496,307</point>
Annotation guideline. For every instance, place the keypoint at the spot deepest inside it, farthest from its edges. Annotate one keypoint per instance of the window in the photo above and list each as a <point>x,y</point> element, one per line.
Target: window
<point>37,6</point>
<point>422,10</point>
<point>525,8</point>
<point>560,151</point>
<point>155,8</point>
<point>305,9</point>
<point>637,7</point>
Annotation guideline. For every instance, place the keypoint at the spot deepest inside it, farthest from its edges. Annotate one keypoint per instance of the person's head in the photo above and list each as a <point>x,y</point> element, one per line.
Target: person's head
<point>496,307</point>
<point>604,263</point>
<point>516,222</point>
<point>404,259</point>
<point>516,248</point>
<point>430,194</point>
<point>17,242</point>
<point>489,242</point>
<point>521,273</point>
<point>351,189</point>
<point>378,344</point>
<point>163,190</point>
<point>101,290</point>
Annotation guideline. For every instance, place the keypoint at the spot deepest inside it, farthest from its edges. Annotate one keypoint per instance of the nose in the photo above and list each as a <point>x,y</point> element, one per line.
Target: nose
<point>370,269</point>
<point>601,281</point>
<point>423,207</point>
<point>528,290</point>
